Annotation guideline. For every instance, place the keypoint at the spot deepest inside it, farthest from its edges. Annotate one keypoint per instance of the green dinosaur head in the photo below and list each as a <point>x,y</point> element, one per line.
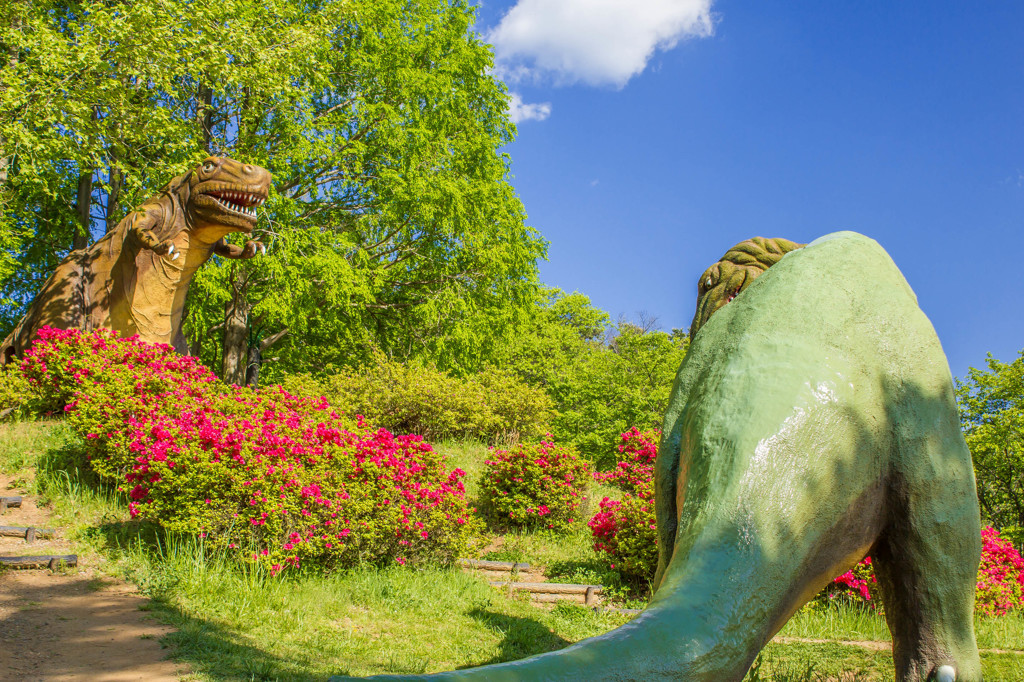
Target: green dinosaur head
<point>224,194</point>
<point>740,265</point>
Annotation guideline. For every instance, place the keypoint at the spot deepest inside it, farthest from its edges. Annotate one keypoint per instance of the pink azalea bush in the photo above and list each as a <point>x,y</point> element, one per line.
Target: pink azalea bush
<point>635,467</point>
<point>1000,576</point>
<point>1000,586</point>
<point>854,586</point>
<point>278,479</point>
<point>626,531</point>
<point>539,485</point>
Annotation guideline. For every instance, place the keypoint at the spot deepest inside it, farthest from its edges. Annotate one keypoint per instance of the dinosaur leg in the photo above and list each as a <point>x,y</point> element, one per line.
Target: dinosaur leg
<point>926,561</point>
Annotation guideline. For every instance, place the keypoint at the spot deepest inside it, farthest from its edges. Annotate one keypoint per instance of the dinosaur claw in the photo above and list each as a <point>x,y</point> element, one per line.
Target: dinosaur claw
<point>170,249</point>
<point>263,249</point>
<point>175,256</point>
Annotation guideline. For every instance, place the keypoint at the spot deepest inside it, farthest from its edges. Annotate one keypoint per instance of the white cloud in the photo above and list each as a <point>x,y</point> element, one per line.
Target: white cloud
<point>598,42</point>
<point>521,111</point>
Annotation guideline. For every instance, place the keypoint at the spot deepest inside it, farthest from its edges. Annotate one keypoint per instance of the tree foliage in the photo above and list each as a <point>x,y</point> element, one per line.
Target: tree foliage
<point>393,225</point>
<point>992,413</point>
<point>604,378</point>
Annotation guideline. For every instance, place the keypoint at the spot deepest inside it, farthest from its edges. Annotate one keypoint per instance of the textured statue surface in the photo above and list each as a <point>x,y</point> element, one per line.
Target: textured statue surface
<point>135,278</point>
<point>812,422</point>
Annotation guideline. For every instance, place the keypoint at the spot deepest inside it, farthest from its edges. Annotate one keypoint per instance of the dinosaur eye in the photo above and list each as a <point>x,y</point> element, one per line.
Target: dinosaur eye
<point>209,166</point>
<point>708,282</point>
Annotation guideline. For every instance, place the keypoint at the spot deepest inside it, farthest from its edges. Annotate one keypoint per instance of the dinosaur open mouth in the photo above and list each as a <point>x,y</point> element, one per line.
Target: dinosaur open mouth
<point>244,203</point>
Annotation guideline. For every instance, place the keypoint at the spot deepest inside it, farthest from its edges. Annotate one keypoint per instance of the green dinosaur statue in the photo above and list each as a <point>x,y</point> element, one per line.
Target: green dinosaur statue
<point>812,422</point>
<point>135,278</point>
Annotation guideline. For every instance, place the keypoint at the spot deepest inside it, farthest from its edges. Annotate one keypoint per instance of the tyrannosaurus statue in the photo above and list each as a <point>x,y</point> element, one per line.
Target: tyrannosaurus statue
<point>812,422</point>
<point>135,278</point>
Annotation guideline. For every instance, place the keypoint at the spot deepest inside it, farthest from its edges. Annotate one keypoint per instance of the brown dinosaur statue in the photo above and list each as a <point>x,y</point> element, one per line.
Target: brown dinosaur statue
<point>135,278</point>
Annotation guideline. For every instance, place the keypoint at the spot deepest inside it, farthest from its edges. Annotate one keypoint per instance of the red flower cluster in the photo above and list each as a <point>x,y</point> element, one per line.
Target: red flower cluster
<point>854,585</point>
<point>635,466</point>
<point>1000,586</point>
<point>626,531</point>
<point>535,485</point>
<point>283,478</point>
<point>1000,576</point>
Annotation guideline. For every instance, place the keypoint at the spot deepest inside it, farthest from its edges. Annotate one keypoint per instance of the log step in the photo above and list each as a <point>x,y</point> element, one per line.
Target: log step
<point>30,533</point>
<point>589,595</point>
<point>51,561</point>
<point>9,502</point>
<point>502,570</point>
<point>497,566</point>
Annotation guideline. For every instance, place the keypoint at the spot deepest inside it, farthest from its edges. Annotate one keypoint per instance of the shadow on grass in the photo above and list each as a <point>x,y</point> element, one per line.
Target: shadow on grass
<point>222,653</point>
<point>522,636</point>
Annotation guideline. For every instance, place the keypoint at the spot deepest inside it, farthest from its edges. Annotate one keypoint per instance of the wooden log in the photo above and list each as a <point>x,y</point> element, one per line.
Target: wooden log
<point>9,501</point>
<point>553,588</point>
<point>52,561</point>
<point>497,566</point>
<point>614,609</point>
<point>30,533</point>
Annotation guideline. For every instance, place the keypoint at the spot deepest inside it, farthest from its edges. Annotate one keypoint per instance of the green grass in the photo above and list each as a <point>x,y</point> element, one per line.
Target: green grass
<point>236,623</point>
<point>845,623</point>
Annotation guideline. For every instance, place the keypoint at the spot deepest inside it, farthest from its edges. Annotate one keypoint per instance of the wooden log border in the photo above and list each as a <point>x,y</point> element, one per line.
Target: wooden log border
<point>497,566</point>
<point>9,501</point>
<point>30,533</point>
<point>51,561</point>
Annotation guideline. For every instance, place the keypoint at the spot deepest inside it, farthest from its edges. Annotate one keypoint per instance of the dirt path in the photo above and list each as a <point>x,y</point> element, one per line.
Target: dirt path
<point>70,624</point>
<point>874,645</point>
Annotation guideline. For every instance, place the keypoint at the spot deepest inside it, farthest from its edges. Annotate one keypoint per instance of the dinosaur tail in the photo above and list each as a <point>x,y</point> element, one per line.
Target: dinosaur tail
<point>708,621</point>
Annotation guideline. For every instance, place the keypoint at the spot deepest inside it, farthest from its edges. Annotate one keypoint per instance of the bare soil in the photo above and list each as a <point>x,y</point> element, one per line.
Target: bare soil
<point>71,624</point>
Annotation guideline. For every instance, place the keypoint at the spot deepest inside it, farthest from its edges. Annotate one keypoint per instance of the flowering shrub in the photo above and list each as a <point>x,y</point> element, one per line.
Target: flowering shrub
<point>281,478</point>
<point>535,485</point>
<point>1000,576</point>
<point>637,452</point>
<point>627,532</point>
<point>854,586</point>
<point>1000,586</point>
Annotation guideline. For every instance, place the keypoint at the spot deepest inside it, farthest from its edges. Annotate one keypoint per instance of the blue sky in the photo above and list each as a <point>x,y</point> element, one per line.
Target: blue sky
<point>654,134</point>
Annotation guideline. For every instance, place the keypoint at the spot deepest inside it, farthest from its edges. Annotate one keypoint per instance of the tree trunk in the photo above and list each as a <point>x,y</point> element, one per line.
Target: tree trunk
<point>12,59</point>
<point>82,211</point>
<point>235,355</point>
<point>256,351</point>
<point>115,179</point>
<point>204,112</point>
<point>252,368</point>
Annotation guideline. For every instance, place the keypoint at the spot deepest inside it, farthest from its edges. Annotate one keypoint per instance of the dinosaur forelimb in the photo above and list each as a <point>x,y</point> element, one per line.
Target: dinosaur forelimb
<point>251,248</point>
<point>141,229</point>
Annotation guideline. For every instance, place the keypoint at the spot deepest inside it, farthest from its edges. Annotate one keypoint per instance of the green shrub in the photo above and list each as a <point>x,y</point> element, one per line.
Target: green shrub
<point>17,398</point>
<point>493,406</point>
<point>540,485</point>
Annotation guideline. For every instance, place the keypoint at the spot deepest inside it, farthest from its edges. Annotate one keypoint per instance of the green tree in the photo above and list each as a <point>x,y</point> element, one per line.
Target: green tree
<point>393,226</point>
<point>604,379</point>
<point>992,413</point>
